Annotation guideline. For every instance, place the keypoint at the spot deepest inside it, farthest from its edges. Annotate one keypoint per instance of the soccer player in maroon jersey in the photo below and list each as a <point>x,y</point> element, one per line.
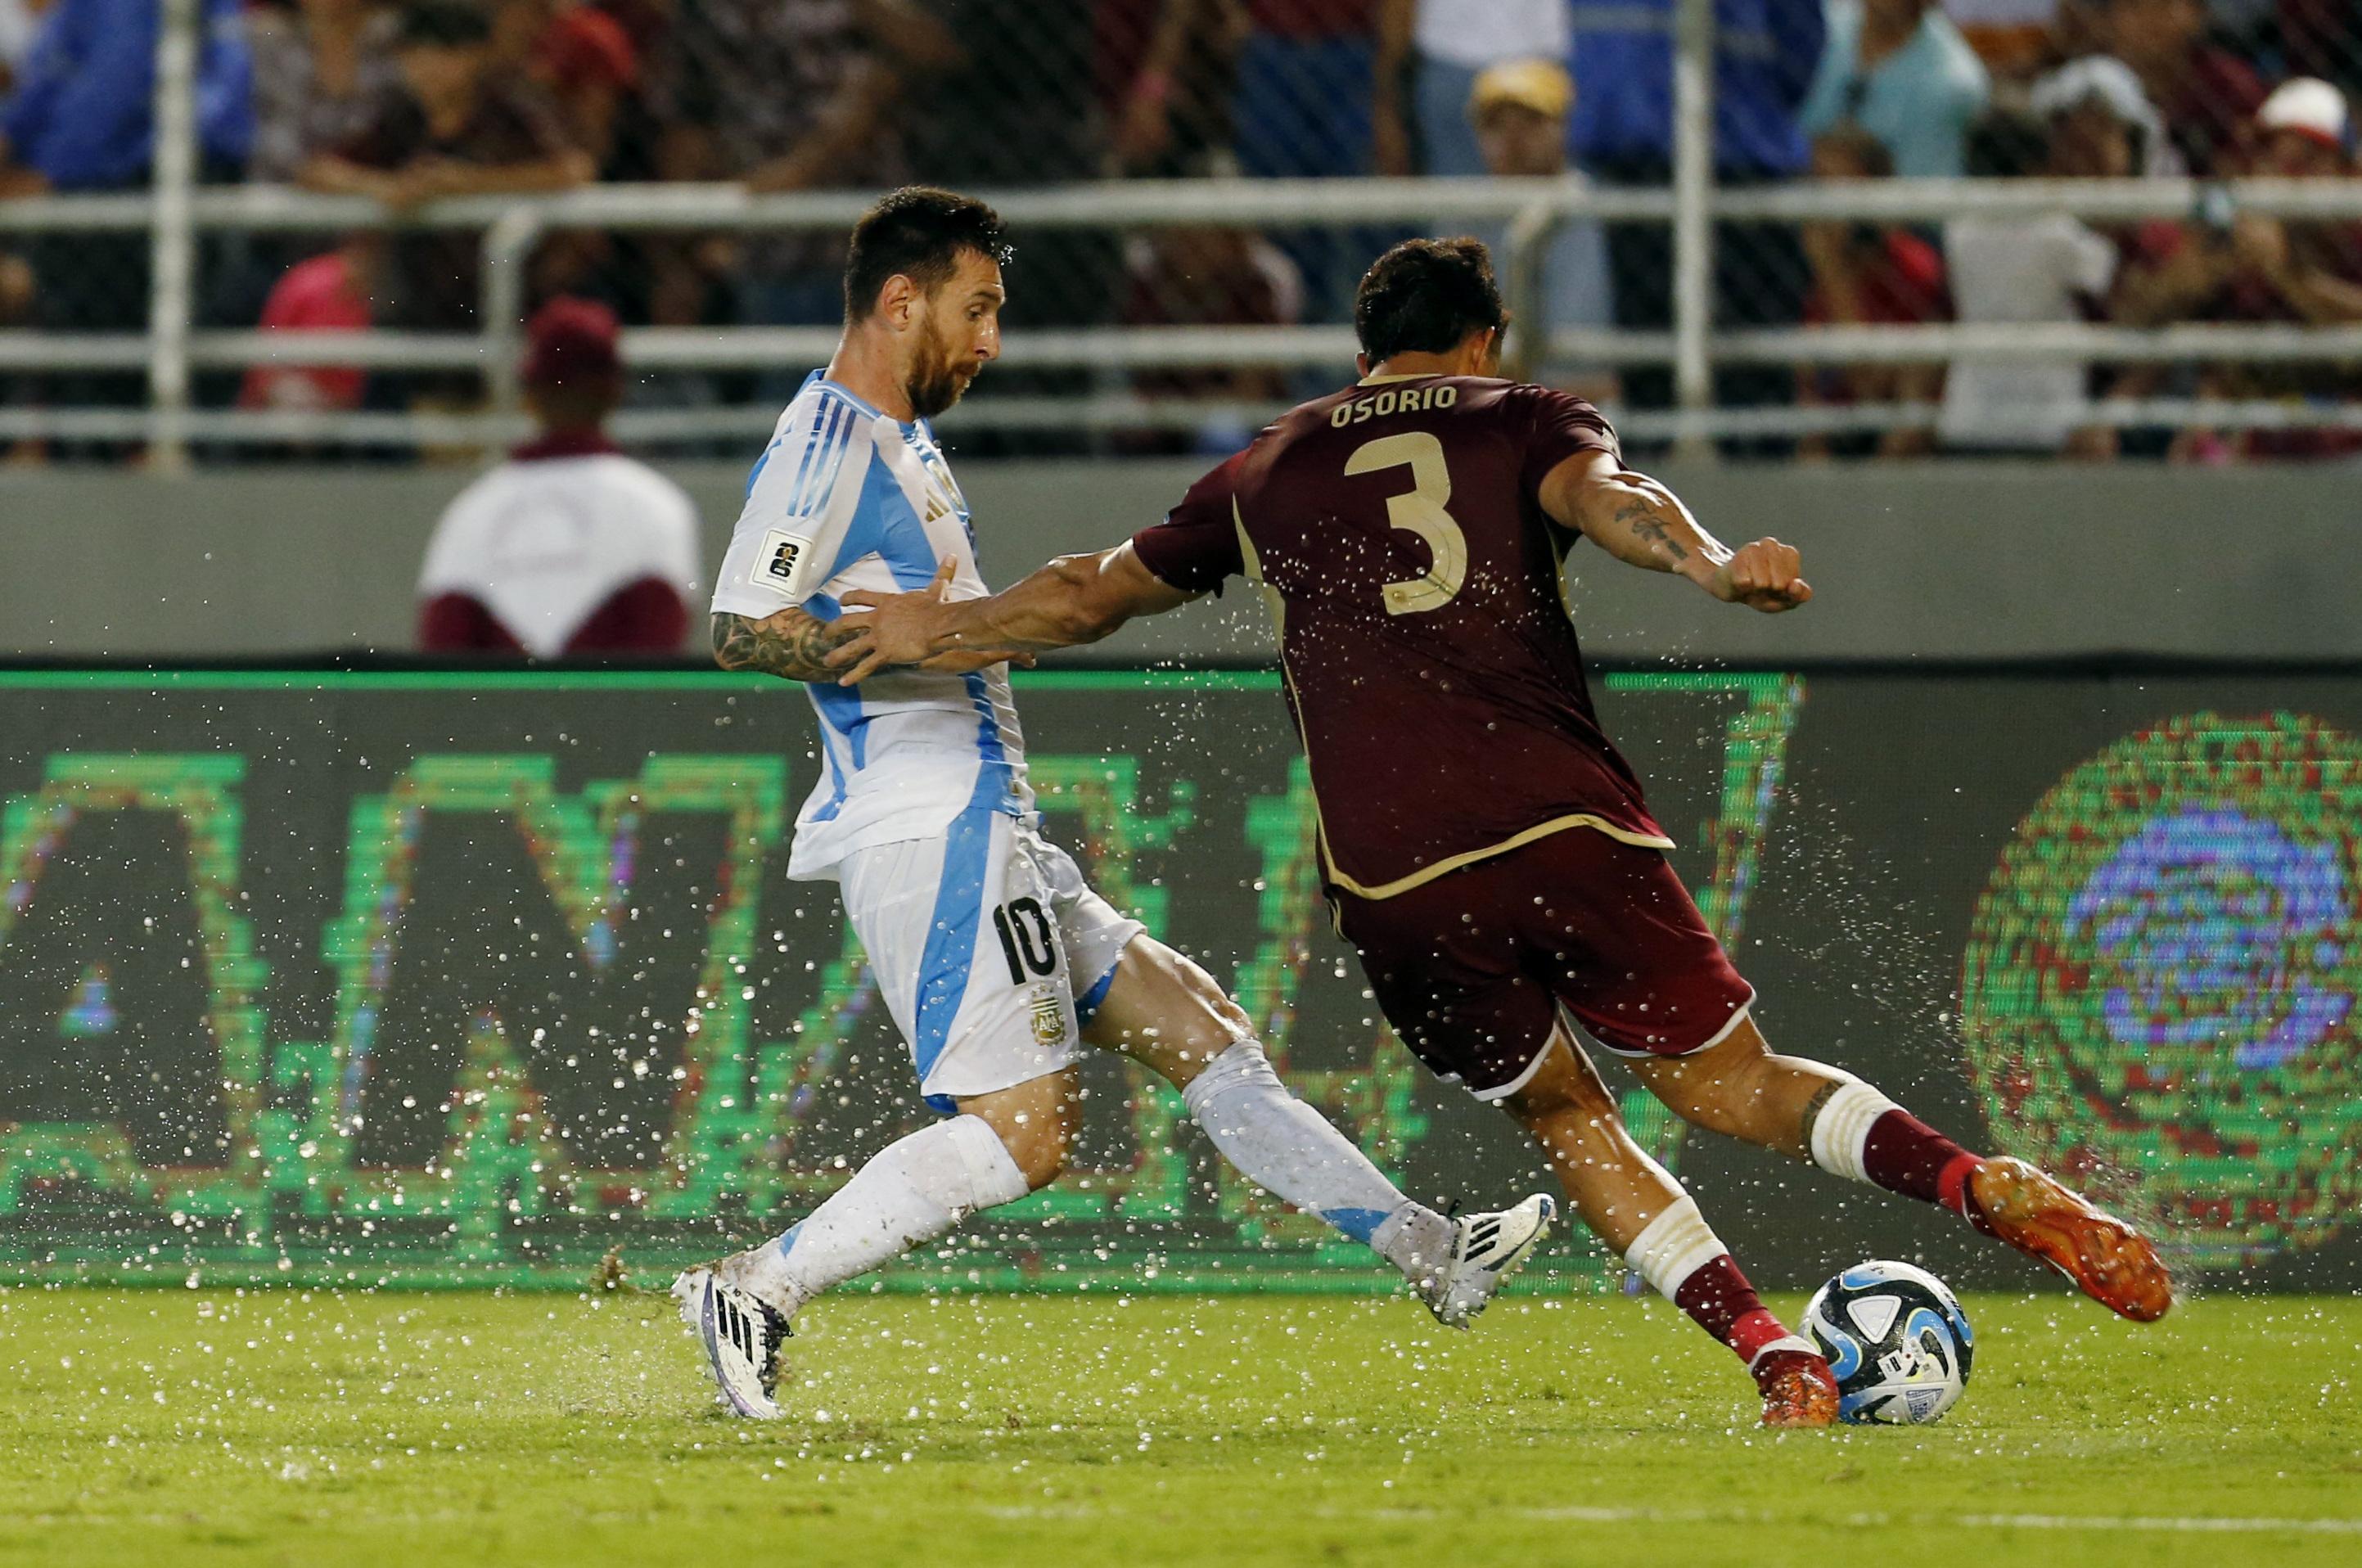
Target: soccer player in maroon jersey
<point>1486,849</point>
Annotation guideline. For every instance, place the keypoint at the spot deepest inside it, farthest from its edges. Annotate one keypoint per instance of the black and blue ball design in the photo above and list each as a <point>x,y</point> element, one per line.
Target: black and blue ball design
<point>1897,1340</point>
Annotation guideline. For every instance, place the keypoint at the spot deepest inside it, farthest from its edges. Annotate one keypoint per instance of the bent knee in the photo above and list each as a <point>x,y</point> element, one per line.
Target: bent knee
<point>1559,1102</point>
<point>1689,1089</point>
<point>1166,1011</point>
<point>1715,1110</point>
<point>1036,1122</point>
<point>1040,1139</point>
<point>1565,1090</point>
<point>1038,1144</point>
<point>1041,1163</point>
<point>1726,1097</point>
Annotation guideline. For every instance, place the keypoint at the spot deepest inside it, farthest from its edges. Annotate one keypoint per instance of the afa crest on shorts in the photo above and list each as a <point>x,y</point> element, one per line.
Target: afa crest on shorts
<point>1049,1018</point>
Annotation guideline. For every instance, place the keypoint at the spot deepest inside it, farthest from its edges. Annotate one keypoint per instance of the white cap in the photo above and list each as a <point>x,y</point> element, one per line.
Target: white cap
<point>2098,77</point>
<point>2108,82</point>
<point>2308,104</point>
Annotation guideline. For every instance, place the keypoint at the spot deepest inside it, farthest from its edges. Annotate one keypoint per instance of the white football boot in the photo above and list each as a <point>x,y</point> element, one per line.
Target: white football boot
<point>741,1334</point>
<point>1486,1249</point>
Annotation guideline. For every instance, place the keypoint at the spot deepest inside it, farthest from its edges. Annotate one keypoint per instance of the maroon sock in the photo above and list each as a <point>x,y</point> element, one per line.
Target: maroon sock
<point>1720,1301</point>
<point>1905,1154</point>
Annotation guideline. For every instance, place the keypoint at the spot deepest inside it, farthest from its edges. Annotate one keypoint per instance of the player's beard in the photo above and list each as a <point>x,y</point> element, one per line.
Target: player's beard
<point>937,379</point>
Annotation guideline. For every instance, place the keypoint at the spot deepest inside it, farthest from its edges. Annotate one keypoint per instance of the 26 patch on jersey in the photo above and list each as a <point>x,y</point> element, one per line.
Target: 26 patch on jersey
<point>775,564</point>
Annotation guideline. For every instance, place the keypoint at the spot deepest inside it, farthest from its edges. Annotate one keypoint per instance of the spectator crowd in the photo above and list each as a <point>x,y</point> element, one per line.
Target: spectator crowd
<point>405,102</point>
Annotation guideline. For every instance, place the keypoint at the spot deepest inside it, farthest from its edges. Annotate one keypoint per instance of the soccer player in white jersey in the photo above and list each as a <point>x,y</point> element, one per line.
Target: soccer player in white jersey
<point>994,957</point>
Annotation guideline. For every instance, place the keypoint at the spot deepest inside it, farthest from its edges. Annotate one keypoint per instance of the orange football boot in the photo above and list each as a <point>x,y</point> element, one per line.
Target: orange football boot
<point>1798,1389</point>
<point>2114,1264</point>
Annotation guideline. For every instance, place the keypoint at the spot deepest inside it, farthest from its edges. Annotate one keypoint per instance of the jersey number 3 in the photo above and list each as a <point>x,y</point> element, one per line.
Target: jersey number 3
<point>1420,511</point>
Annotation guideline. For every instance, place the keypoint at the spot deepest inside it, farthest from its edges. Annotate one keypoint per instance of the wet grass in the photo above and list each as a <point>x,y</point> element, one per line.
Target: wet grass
<point>188,1427</point>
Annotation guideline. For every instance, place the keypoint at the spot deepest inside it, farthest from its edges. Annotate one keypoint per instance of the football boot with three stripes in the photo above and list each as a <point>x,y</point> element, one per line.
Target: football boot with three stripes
<point>742,1336</point>
<point>1486,1249</point>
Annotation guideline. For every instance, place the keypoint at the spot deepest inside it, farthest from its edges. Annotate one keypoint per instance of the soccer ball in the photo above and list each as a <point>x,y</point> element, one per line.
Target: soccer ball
<point>1897,1341</point>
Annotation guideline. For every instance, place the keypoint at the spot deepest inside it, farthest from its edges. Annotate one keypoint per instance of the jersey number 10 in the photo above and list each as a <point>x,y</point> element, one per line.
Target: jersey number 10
<point>1025,939</point>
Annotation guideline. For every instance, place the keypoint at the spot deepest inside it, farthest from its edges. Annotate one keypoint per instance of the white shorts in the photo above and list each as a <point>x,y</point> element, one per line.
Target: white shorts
<point>989,948</point>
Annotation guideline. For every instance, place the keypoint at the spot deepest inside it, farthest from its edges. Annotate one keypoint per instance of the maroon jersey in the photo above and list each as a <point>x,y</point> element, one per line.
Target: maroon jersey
<point>1431,668</point>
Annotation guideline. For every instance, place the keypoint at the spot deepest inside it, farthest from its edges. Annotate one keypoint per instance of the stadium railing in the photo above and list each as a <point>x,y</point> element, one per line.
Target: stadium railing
<point>179,210</point>
<point>171,347</point>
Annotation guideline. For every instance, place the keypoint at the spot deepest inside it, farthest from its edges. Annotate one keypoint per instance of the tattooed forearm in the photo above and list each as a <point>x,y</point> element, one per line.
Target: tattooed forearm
<point>1640,516</point>
<point>789,644</point>
<point>1639,521</point>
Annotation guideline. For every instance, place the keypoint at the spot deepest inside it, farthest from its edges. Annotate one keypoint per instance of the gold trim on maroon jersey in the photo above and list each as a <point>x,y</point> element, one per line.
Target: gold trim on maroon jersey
<point>1454,863</point>
<point>1252,563</point>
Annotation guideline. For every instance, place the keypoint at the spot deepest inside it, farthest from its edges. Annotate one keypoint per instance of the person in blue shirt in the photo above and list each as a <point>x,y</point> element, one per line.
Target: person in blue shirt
<point>83,115</point>
<point>1764,55</point>
<point>82,119</point>
<point>1900,71</point>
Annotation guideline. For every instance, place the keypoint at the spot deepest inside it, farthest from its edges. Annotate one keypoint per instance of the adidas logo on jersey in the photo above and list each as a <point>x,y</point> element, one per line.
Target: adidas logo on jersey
<point>942,492</point>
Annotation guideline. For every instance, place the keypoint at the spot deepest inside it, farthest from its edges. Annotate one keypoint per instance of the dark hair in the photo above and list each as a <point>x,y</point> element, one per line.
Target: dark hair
<point>1425,296</point>
<point>2006,144</point>
<point>918,232</point>
<point>443,24</point>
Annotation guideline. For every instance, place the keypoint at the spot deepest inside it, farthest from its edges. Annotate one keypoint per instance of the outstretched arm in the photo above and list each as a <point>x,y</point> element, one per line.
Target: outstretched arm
<point>788,644</point>
<point>1075,599</point>
<point>1639,521</point>
<point>794,645</point>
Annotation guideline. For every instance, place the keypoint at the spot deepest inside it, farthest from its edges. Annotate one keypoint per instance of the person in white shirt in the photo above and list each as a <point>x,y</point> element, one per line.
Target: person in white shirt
<point>996,959</point>
<point>2090,121</point>
<point>569,548</point>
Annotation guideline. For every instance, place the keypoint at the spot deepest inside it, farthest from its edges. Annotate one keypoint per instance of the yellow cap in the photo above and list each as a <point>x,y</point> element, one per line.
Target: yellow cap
<point>1542,85</point>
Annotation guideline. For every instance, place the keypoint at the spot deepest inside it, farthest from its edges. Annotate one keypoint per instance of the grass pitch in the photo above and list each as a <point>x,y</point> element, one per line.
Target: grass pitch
<point>186,1427</point>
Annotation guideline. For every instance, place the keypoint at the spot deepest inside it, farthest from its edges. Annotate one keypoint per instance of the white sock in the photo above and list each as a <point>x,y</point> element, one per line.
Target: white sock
<point>1287,1148</point>
<point>1674,1246</point>
<point>910,1192</point>
<point>1840,1134</point>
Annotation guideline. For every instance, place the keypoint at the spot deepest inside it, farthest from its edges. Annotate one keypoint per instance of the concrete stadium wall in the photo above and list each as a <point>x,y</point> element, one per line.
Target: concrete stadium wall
<point>1940,561</point>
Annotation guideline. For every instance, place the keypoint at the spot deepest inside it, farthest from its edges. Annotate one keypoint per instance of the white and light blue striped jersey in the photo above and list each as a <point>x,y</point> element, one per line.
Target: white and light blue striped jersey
<point>842,499</point>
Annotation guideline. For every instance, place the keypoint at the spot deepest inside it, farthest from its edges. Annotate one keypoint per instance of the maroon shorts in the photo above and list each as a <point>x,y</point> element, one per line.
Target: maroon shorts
<point>1473,968</point>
